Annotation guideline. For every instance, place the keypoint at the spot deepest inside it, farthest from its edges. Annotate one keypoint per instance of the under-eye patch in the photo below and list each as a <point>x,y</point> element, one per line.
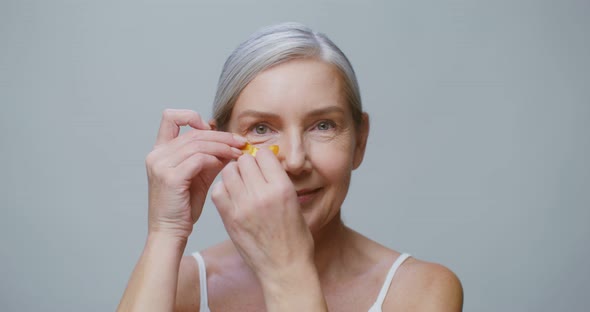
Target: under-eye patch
<point>251,149</point>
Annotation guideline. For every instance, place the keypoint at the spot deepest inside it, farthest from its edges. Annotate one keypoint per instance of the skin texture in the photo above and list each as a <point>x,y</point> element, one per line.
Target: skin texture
<point>289,250</point>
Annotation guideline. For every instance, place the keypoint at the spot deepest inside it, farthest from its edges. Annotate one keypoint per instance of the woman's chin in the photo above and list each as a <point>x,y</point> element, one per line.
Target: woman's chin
<point>317,225</point>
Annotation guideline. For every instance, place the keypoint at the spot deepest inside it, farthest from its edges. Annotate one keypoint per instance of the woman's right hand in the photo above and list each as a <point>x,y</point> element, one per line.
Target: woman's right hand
<point>181,169</point>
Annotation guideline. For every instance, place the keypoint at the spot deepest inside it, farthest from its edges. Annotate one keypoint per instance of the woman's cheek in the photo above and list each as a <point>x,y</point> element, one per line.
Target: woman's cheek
<point>332,156</point>
<point>341,143</point>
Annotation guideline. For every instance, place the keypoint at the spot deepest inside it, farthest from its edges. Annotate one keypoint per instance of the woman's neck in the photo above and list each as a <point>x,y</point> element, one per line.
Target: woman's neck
<point>334,247</point>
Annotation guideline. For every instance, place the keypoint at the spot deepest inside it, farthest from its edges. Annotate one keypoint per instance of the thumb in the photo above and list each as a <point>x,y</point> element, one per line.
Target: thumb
<point>222,201</point>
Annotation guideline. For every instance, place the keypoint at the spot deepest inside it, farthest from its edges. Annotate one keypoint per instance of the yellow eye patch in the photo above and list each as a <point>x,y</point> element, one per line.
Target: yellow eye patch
<point>251,149</point>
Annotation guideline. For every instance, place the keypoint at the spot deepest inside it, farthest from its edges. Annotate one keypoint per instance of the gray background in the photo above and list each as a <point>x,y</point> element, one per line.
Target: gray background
<point>477,157</point>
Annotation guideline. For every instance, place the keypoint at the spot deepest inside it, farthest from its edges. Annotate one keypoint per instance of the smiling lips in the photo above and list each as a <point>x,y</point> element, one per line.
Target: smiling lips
<point>306,195</point>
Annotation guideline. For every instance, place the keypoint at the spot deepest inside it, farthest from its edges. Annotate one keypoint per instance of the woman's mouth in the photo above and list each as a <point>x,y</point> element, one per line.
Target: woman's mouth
<point>305,196</point>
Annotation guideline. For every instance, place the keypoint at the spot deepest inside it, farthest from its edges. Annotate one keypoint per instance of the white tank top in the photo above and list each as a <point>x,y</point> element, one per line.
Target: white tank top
<point>376,307</point>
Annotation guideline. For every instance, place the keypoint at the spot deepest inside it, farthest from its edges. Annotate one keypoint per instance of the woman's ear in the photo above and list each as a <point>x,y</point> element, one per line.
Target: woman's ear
<point>213,124</point>
<point>361,141</point>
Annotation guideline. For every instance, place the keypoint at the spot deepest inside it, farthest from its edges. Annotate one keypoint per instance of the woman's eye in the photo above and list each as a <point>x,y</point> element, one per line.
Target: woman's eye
<point>324,125</point>
<point>260,129</point>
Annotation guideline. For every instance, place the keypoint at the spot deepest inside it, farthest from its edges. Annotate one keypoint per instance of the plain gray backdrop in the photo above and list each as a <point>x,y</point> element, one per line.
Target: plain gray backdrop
<point>477,157</point>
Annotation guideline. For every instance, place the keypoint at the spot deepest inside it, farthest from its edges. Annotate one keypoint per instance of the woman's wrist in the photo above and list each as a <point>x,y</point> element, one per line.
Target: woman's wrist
<point>294,289</point>
<point>167,237</point>
<point>152,286</point>
<point>165,246</point>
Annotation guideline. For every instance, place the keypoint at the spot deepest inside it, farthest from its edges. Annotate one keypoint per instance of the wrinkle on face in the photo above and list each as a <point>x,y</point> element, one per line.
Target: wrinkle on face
<point>300,106</point>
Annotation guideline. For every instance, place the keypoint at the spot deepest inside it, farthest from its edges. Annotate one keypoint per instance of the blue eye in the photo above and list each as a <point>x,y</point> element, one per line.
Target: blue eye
<point>260,129</point>
<point>324,125</point>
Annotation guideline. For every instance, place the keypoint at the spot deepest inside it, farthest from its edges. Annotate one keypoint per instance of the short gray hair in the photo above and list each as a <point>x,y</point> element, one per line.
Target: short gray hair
<point>274,45</point>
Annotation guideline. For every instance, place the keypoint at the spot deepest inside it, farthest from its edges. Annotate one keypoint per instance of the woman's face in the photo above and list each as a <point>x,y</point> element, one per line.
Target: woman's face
<point>299,105</point>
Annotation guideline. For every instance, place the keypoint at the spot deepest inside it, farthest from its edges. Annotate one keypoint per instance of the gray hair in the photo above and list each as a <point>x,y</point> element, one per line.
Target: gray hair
<point>274,45</point>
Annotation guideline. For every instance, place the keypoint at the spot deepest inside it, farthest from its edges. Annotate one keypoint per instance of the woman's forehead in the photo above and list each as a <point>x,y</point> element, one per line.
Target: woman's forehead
<point>296,85</point>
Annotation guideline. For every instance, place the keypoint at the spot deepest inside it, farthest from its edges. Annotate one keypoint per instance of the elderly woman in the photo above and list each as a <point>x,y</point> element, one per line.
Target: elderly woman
<point>289,250</point>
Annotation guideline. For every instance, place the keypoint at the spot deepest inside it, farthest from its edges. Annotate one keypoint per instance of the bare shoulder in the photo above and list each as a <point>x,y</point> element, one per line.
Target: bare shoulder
<point>188,290</point>
<point>424,286</point>
<point>217,261</point>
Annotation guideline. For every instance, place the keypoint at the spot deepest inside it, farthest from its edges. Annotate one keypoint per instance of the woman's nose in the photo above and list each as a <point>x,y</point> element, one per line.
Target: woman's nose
<point>294,155</point>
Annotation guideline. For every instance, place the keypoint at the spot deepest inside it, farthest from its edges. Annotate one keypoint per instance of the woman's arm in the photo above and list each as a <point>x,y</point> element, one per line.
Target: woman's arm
<point>297,289</point>
<point>152,286</point>
<point>258,205</point>
<point>180,170</point>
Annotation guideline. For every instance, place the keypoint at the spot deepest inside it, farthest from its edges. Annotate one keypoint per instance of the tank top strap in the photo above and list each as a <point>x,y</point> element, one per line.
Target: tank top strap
<point>376,307</point>
<point>204,304</point>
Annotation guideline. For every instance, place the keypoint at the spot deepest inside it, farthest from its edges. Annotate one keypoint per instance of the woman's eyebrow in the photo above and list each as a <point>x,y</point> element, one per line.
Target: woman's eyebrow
<point>326,110</point>
<point>258,114</point>
<point>268,115</point>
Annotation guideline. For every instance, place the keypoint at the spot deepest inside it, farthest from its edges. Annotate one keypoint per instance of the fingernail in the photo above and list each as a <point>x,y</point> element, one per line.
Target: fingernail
<point>240,138</point>
<point>236,151</point>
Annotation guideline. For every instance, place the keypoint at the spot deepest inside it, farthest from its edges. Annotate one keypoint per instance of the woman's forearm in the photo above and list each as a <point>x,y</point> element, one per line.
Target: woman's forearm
<point>294,290</point>
<point>152,286</point>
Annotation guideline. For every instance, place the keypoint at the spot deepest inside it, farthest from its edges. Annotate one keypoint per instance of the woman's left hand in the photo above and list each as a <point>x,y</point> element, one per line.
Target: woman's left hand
<point>258,205</point>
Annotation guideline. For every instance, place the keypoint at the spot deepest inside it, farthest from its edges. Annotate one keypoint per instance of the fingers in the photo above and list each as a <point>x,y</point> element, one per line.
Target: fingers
<point>221,199</point>
<point>172,149</point>
<point>233,181</point>
<point>250,173</point>
<point>173,119</point>
<point>270,167</point>
<point>174,158</point>
<point>195,164</point>
<point>209,135</point>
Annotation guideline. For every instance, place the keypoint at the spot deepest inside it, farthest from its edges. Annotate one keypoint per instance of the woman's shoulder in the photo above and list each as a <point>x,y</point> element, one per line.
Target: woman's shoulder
<point>188,293</point>
<point>424,286</point>
<point>221,259</point>
<point>224,278</point>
